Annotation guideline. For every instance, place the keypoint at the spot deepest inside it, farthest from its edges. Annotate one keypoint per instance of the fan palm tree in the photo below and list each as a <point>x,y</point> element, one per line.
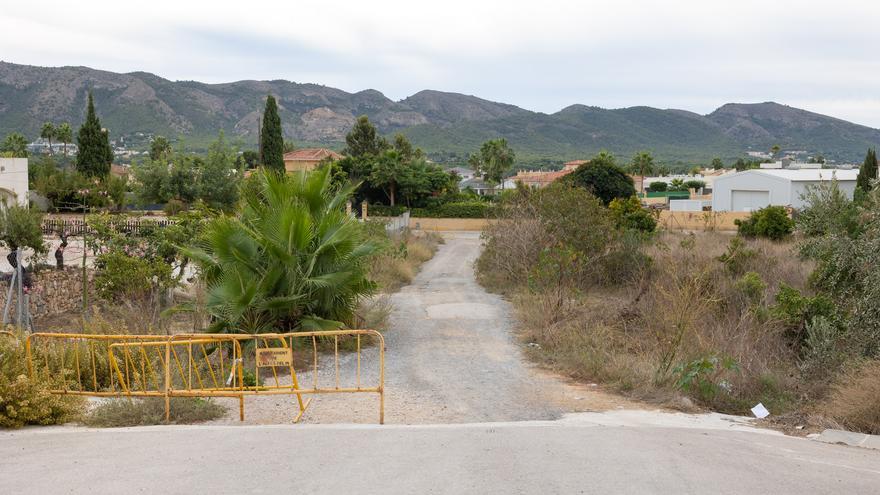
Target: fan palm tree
<point>64,133</point>
<point>290,259</point>
<point>48,132</point>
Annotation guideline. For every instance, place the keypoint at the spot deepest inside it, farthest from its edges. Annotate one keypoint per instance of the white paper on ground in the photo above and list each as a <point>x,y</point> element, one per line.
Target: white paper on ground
<point>760,411</point>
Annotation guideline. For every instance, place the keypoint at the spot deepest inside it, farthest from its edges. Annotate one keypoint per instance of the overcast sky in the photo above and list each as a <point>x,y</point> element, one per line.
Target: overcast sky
<point>540,55</point>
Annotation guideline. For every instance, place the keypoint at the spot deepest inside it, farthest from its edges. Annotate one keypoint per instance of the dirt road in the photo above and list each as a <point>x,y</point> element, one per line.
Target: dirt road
<point>451,358</point>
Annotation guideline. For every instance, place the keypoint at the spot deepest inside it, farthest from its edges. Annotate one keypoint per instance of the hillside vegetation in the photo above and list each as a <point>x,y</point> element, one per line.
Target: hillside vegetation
<point>447,126</point>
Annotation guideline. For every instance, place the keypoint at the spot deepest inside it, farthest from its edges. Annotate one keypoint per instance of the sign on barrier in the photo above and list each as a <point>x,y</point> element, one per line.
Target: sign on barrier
<point>202,365</point>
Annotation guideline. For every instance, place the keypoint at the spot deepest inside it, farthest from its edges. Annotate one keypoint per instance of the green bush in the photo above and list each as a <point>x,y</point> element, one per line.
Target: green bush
<point>125,276</point>
<point>385,210</point>
<point>173,207</point>
<point>629,214</point>
<point>602,178</point>
<point>26,401</point>
<point>771,222</point>
<point>796,310</point>
<point>658,186</point>
<point>459,209</point>
<point>694,184</point>
<point>21,227</point>
<point>752,287</point>
<point>703,378</point>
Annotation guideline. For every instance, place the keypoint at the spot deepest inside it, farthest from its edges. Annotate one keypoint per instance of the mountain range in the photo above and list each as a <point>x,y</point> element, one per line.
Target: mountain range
<point>446,125</point>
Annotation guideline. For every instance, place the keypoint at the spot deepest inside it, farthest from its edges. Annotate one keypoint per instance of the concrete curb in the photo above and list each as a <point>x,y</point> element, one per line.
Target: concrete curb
<point>849,438</point>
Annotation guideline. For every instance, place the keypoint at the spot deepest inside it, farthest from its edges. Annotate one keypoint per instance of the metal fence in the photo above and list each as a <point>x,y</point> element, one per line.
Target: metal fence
<point>78,227</point>
<point>205,365</point>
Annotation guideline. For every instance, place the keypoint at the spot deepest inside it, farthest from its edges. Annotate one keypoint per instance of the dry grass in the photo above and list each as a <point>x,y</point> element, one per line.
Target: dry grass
<point>854,401</point>
<point>688,306</point>
<point>114,413</point>
<point>400,260</point>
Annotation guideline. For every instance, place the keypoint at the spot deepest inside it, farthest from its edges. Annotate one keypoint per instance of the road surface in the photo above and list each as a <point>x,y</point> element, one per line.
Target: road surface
<point>614,452</point>
<point>451,358</point>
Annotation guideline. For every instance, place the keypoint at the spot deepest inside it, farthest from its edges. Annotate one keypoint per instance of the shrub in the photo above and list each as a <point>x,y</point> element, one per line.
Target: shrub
<point>694,184</point>
<point>795,309</point>
<point>603,178</point>
<point>26,401</point>
<point>771,222</point>
<point>736,256</point>
<point>629,214</point>
<point>702,378</point>
<point>855,400</point>
<point>565,225</point>
<point>173,207</point>
<point>752,287</point>
<point>385,210</point>
<point>290,259</point>
<point>658,186</point>
<point>21,227</point>
<point>129,277</point>
<point>114,413</point>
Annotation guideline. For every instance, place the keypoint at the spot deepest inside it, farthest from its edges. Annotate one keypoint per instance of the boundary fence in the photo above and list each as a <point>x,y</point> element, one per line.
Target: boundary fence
<point>76,227</point>
<point>203,365</point>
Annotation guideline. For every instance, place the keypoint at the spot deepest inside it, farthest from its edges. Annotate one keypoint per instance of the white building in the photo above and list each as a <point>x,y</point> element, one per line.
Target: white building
<point>14,181</point>
<point>754,189</point>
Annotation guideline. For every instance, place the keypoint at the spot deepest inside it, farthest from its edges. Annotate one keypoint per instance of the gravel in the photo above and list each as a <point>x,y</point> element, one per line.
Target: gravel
<point>450,358</point>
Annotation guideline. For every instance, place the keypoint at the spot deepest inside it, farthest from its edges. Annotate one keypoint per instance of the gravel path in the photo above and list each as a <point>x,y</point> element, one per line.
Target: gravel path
<point>450,358</point>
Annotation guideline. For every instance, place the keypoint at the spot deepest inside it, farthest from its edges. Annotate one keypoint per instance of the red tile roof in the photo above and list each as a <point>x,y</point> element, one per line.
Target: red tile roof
<point>311,155</point>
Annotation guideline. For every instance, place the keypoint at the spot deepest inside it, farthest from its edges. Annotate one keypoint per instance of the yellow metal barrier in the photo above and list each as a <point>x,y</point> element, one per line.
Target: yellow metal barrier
<point>200,365</point>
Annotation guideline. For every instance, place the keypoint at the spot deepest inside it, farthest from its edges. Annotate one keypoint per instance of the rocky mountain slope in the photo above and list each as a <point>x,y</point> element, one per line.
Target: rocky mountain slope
<point>445,124</point>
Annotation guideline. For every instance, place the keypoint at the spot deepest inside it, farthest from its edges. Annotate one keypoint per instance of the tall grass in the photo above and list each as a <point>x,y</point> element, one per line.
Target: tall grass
<point>664,334</point>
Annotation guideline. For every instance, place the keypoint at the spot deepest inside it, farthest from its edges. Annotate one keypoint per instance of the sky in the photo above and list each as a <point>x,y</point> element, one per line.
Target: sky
<point>541,55</point>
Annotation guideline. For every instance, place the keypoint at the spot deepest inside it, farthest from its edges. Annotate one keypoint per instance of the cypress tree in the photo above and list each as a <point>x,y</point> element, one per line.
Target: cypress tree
<point>271,140</point>
<point>867,175</point>
<point>94,154</point>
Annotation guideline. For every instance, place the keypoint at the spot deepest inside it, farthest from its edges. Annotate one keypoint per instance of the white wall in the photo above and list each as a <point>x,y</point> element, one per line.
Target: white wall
<point>14,178</point>
<point>783,192</point>
<point>722,190</point>
<point>799,188</point>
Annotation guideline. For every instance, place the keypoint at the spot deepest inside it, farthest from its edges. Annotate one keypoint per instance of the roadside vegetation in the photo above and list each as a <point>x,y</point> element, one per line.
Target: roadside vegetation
<point>784,314</point>
<point>115,413</point>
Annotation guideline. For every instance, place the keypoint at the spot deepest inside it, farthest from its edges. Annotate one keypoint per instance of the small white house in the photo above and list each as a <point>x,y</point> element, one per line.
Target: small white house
<point>752,190</point>
<point>14,181</point>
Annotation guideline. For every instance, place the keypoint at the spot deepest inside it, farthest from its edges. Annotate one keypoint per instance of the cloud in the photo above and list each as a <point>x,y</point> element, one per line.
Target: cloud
<point>543,56</point>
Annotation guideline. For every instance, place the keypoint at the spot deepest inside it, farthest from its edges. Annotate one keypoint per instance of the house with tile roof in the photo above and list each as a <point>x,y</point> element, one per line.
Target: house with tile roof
<point>308,158</point>
<point>539,179</point>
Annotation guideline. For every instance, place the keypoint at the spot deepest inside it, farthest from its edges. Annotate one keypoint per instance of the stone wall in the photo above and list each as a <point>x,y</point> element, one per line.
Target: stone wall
<point>53,292</point>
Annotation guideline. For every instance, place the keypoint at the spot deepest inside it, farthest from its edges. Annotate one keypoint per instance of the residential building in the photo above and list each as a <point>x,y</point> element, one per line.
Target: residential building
<point>14,181</point>
<point>483,188</point>
<point>752,190</point>
<point>308,158</point>
<point>463,172</point>
<point>539,179</point>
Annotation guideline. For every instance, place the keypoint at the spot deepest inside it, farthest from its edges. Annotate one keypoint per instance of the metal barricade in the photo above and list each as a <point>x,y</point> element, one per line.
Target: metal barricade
<point>200,365</point>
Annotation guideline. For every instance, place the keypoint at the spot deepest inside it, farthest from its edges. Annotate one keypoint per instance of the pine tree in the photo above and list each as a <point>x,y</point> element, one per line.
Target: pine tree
<point>94,154</point>
<point>364,140</point>
<point>271,140</point>
<point>867,175</point>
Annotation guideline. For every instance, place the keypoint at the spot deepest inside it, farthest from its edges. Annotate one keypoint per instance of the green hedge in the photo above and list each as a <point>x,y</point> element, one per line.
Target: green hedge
<point>455,209</point>
<point>463,209</point>
<point>385,210</point>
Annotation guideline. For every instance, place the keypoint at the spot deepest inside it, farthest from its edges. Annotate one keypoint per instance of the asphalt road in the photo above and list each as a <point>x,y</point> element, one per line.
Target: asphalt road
<point>576,455</point>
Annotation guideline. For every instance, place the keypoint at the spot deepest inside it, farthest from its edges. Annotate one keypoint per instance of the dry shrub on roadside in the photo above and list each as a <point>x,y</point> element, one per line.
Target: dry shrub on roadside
<point>114,413</point>
<point>25,400</point>
<point>373,312</point>
<point>669,331</point>
<point>854,401</point>
<point>400,256</point>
